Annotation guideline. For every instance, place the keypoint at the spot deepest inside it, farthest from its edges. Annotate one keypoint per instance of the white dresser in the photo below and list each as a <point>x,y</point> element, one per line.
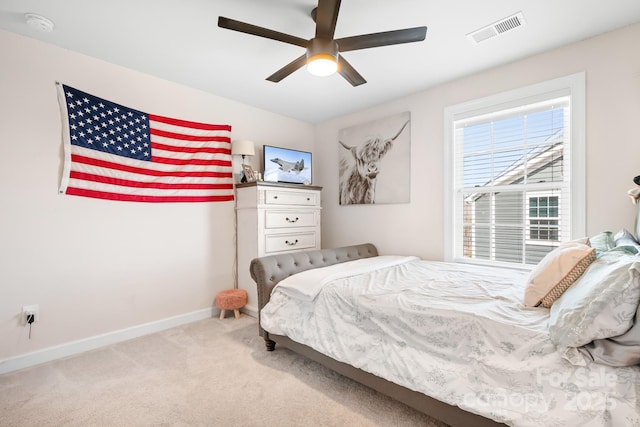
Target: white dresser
<point>273,218</point>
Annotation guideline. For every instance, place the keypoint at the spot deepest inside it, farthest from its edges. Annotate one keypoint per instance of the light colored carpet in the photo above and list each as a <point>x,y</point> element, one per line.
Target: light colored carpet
<point>208,373</point>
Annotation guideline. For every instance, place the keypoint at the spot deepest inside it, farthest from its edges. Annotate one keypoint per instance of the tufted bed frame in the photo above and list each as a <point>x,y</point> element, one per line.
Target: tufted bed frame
<point>269,270</point>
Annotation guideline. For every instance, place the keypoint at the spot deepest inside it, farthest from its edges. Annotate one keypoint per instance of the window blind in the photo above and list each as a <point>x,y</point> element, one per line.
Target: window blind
<point>512,181</point>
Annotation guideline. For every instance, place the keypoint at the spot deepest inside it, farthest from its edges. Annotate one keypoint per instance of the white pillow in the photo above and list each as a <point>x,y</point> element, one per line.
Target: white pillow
<point>556,272</point>
<point>601,304</point>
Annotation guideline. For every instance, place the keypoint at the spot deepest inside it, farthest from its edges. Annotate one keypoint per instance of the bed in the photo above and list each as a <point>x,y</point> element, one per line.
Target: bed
<point>453,341</point>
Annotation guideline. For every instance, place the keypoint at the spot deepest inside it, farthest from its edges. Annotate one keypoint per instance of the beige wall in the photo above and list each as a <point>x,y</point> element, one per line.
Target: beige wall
<point>612,66</point>
<point>96,266</point>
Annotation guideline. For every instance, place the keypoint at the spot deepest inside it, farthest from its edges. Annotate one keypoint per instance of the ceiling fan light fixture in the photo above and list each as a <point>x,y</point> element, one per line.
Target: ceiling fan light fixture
<point>322,57</point>
<point>322,64</point>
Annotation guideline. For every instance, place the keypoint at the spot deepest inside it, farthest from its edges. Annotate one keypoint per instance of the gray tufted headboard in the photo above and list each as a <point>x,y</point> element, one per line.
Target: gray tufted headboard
<point>267,271</point>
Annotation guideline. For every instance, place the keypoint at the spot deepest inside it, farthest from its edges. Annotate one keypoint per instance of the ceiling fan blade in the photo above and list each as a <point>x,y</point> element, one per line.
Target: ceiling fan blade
<point>288,69</point>
<point>326,17</point>
<point>243,27</point>
<point>349,73</point>
<point>386,38</point>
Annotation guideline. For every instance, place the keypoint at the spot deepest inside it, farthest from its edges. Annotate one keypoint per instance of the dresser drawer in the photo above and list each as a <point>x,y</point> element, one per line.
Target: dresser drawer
<point>289,241</point>
<point>289,219</point>
<point>304,198</point>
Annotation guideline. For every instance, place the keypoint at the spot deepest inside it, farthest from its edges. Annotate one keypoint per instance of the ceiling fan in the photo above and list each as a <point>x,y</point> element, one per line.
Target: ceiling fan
<point>323,51</point>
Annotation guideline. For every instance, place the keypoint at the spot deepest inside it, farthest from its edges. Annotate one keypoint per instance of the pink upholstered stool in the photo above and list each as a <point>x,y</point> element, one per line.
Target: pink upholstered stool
<point>231,299</point>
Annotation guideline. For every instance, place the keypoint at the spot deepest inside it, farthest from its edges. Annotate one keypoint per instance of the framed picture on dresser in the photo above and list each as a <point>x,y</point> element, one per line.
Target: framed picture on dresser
<point>248,174</point>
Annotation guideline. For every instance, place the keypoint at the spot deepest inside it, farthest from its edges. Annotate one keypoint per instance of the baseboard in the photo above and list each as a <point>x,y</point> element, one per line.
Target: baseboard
<point>250,310</point>
<point>74,347</point>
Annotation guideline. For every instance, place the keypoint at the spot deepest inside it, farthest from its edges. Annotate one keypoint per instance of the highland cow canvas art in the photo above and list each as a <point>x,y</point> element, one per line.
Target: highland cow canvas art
<point>375,161</point>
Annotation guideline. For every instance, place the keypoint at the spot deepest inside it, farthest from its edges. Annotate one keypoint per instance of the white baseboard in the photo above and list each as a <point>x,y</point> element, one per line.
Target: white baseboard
<point>250,310</point>
<point>74,347</point>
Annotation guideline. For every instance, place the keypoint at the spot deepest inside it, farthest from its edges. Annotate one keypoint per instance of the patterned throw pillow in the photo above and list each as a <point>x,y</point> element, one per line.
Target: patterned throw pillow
<point>603,241</point>
<point>556,272</point>
<point>625,240</point>
<point>601,304</point>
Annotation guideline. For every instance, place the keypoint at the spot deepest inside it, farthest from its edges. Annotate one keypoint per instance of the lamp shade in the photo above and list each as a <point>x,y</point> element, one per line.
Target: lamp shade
<point>243,147</point>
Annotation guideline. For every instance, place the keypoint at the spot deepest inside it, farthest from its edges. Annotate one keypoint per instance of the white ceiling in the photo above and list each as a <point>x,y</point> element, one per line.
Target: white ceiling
<point>181,42</point>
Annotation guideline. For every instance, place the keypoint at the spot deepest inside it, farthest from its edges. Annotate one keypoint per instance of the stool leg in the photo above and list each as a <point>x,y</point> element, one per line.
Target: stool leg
<point>221,314</point>
<point>237,313</point>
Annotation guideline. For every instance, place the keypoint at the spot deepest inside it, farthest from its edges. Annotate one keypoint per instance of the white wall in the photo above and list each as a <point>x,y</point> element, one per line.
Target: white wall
<point>612,65</point>
<point>98,266</point>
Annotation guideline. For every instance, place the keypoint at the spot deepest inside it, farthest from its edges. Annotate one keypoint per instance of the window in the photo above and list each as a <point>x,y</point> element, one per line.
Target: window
<point>543,219</point>
<point>515,174</point>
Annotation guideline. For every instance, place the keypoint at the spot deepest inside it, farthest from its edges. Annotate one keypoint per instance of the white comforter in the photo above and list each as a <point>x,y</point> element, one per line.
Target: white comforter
<point>458,333</point>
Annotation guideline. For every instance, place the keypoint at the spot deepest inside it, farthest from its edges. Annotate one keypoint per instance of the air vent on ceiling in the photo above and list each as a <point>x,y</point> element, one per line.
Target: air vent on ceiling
<point>502,26</point>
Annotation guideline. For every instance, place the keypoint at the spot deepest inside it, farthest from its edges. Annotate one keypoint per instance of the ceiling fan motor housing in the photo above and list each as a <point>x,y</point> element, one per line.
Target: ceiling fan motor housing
<point>322,56</point>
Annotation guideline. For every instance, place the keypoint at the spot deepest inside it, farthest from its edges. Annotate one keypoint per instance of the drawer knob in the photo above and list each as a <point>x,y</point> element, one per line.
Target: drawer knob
<point>308,198</point>
<point>292,220</point>
<point>291,243</point>
<point>275,197</point>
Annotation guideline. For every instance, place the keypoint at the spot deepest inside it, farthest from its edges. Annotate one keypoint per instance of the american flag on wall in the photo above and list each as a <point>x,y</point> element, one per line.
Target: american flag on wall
<point>118,153</point>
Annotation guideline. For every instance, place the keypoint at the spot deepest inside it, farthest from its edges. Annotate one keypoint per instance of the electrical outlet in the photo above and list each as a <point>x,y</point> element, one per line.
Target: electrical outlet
<point>30,309</point>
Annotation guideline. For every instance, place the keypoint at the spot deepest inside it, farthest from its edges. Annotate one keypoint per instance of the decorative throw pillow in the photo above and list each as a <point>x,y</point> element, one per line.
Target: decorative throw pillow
<point>625,240</point>
<point>603,242</point>
<point>601,304</point>
<point>556,272</point>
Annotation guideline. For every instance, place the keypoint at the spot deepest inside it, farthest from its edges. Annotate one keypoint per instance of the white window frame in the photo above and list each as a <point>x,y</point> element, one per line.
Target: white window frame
<point>574,86</point>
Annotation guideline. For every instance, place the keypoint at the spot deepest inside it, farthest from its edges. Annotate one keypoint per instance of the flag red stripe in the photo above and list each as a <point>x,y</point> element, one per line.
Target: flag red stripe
<point>213,150</point>
<point>133,198</point>
<point>185,137</point>
<point>137,184</point>
<point>186,123</point>
<point>106,164</point>
<point>199,162</point>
